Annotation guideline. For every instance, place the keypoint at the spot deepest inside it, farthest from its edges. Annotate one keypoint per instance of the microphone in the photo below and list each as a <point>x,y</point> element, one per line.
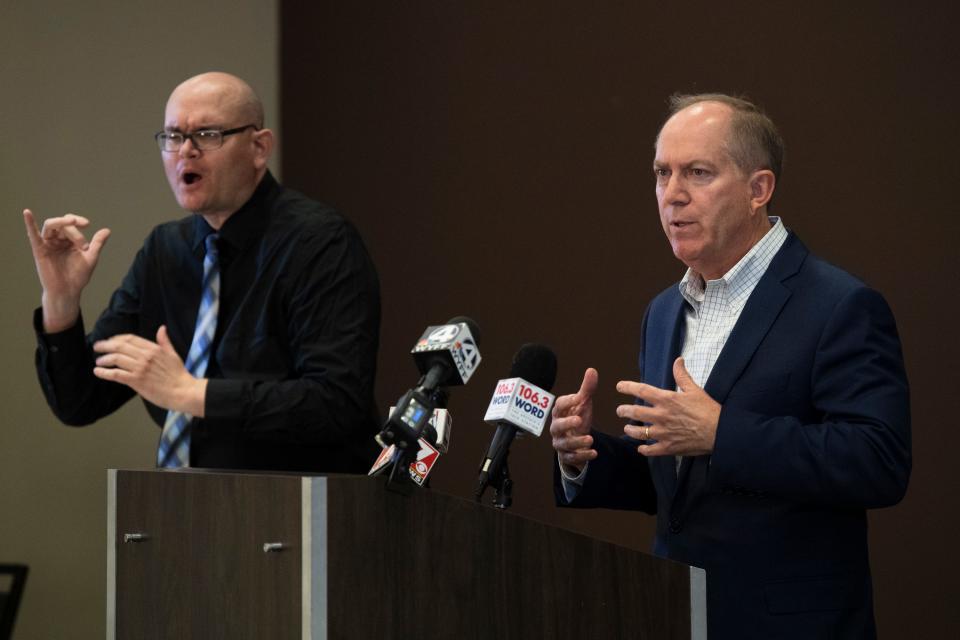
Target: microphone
<point>520,402</point>
<point>446,355</point>
<point>434,441</point>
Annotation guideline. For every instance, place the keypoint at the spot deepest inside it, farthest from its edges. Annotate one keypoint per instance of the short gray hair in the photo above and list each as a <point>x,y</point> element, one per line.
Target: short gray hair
<point>754,141</point>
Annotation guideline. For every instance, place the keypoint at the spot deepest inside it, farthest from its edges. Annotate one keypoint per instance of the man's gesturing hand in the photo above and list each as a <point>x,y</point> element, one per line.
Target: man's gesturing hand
<point>571,423</point>
<point>152,369</point>
<point>65,262</point>
<point>683,422</point>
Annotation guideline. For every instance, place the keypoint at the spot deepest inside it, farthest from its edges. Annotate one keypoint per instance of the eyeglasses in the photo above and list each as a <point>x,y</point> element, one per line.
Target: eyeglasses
<point>204,139</point>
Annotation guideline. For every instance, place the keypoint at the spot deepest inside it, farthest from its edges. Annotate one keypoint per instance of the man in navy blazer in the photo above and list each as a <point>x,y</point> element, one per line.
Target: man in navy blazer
<point>772,407</point>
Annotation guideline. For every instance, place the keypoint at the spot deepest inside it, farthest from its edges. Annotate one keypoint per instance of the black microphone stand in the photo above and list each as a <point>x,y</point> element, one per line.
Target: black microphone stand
<point>497,476</point>
<point>503,486</point>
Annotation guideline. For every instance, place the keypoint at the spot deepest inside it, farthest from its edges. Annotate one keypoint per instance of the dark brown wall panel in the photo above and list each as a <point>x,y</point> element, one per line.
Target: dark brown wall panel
<point>496,158</point>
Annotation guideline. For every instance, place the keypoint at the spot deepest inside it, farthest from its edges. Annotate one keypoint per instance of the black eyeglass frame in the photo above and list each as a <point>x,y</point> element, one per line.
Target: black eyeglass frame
<point>158,136</point>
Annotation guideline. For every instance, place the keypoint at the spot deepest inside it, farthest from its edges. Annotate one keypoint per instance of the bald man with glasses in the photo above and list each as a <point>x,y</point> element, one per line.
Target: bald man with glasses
<point>249,327</point>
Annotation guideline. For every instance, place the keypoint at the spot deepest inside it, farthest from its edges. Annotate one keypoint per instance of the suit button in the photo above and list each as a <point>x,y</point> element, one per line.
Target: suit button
<point>675,525</point>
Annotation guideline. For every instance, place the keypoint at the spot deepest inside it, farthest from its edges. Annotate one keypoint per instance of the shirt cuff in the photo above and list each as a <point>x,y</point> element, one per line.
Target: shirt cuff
<point>68,342</point>
<point>225,399</point>
<point>571,483</point>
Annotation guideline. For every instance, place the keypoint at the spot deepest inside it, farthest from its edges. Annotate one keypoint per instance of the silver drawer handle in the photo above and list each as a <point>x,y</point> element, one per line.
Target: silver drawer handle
<point>269,547</point>
<point>134,537</point>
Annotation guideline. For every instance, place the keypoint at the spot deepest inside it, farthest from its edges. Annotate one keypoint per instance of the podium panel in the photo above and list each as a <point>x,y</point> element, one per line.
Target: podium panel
<point>195,554</point>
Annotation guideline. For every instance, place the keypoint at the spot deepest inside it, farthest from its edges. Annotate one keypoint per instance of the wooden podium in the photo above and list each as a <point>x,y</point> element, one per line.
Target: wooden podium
<point>203,555</point>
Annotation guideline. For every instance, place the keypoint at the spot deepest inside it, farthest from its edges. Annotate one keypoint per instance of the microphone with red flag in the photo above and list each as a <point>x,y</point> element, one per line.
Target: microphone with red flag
<point>434,441</point>
<point>446,355</point>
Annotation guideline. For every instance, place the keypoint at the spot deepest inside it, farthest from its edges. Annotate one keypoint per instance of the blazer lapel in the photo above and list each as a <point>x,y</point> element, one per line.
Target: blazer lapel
<point>658,367</point>
<point>759,314</point>
<point>658,371</point>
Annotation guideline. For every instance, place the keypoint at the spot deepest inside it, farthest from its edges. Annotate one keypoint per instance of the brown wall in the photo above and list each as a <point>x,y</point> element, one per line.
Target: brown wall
<point>496,157</point>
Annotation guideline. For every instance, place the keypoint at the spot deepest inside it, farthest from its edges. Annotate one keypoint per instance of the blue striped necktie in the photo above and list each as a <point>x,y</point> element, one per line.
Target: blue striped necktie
<point>174,448</point>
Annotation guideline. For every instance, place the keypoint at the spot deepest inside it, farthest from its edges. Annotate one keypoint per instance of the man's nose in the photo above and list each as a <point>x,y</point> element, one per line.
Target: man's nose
<point>675,191</point>
<point>188,149</point>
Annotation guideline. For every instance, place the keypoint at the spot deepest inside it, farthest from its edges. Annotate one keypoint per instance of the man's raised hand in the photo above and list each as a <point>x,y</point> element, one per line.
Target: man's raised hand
<point>65,261</point>
<point>571,423</point>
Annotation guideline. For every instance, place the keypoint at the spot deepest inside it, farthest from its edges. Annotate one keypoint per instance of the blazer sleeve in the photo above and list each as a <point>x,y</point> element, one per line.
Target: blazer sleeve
<point>619,478</point>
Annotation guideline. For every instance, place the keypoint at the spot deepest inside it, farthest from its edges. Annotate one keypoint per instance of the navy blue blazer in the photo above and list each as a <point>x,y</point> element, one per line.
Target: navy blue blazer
<point>814,430</point>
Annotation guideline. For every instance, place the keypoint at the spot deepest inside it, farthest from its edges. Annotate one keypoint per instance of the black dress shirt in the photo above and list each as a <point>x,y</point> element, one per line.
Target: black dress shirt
<point>292,369</point>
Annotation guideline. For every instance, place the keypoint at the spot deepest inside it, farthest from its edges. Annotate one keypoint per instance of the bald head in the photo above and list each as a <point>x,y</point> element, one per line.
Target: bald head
<point>224,91</point>
<point>215,180</point>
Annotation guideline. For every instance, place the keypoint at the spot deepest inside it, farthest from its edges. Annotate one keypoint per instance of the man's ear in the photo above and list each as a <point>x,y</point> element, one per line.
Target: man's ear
<point>263,147</point>
<point>762,184</point>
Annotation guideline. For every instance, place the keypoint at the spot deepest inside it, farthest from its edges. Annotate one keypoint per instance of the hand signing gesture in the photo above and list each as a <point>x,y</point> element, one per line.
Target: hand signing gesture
<point>153,370</point>
<point>65,261</point>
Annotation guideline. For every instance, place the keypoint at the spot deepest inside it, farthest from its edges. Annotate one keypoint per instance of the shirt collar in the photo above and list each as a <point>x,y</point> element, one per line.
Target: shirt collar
<point>742,277</point>
<point>244,225</point>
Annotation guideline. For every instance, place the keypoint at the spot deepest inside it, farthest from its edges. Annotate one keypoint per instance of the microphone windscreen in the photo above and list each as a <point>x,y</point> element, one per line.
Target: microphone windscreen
<point>474,329</point>
<point>537,364</point>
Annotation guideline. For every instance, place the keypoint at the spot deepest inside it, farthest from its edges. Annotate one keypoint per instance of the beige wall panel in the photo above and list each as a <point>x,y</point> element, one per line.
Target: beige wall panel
<point>83,90</point>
